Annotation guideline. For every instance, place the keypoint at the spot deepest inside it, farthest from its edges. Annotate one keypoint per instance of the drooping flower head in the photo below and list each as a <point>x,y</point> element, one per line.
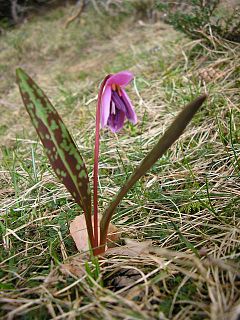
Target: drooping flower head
<point>115,103</point>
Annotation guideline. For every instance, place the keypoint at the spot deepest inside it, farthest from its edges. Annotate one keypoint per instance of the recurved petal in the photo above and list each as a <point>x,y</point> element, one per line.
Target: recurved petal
<point>130,114</point>
<point>105,105</point>
<point>121,78</point>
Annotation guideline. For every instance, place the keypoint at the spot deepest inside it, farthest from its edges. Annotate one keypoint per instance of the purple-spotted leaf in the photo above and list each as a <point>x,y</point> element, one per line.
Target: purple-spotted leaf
<point>60,148</point>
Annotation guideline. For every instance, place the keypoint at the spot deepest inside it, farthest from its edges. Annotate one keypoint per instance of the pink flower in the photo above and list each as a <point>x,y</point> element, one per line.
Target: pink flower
<point>115,103</point>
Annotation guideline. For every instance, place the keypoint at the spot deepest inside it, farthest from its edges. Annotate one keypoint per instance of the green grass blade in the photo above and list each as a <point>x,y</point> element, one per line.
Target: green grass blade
<point>60,148</point>
<point>187,243</point>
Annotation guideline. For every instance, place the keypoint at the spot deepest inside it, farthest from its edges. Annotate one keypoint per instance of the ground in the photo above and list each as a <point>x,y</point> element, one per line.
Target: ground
<point>186,207</point>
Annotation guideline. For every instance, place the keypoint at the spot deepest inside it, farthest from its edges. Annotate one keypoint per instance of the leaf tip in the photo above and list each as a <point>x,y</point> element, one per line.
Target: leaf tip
<point>20,74</point>
<point>19,71</point>
<point>202,98</point>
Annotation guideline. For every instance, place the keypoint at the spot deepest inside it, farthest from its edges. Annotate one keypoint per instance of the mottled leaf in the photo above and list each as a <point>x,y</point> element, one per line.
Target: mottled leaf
<point>60,148</point>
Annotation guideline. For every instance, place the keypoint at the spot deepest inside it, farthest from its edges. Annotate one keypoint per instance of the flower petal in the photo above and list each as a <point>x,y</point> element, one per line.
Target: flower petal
<point>130,114</point>
<point>119,103</point>
<point>105,105</point>
<point>116,121</point>
<point>121,78</point>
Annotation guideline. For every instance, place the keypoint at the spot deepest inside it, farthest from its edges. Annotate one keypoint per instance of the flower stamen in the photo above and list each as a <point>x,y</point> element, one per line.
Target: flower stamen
<point>119,91</point>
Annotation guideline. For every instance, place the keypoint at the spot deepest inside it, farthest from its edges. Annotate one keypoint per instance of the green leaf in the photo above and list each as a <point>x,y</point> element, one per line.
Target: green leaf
<point>60,148</point>
<point>170,136</point>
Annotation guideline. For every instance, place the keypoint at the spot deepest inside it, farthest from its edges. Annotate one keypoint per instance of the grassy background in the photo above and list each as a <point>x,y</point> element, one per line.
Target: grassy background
<point>188,204</point>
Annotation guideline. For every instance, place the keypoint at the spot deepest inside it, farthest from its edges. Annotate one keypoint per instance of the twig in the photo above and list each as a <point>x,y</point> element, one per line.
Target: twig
<point>77,14</point>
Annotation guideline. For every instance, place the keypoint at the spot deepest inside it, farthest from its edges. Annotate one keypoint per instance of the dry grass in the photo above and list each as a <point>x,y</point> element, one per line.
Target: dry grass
<point>188,205</point>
